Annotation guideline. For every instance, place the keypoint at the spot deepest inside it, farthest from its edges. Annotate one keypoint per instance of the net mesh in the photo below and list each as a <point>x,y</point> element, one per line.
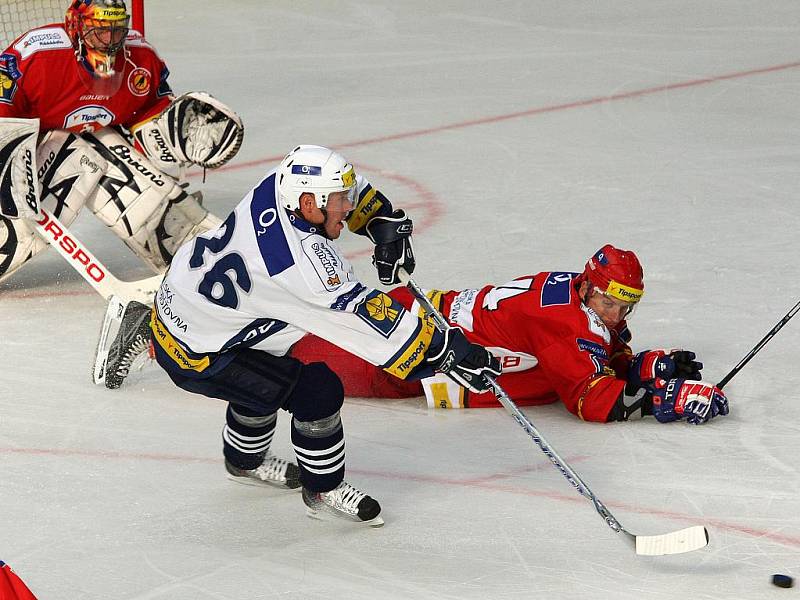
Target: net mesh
<point>18,16</point>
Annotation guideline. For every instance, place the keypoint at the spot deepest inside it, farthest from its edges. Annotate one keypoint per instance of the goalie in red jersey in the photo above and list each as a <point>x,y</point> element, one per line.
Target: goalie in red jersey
<point>88,119</point>
<point>560,336</point>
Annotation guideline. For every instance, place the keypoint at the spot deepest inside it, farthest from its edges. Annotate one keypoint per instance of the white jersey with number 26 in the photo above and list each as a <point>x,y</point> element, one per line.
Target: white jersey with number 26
<point>264,278</point>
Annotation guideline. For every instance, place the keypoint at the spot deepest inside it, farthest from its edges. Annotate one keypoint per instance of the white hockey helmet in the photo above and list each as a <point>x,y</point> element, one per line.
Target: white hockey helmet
<point>316,170</point>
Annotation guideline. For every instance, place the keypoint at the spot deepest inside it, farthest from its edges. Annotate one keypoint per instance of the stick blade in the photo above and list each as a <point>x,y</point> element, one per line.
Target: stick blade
<point>676,542</point>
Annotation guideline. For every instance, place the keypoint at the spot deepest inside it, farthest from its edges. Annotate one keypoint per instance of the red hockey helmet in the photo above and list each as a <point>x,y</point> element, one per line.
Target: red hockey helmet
<point>98,29</point>
<point>616,273</point>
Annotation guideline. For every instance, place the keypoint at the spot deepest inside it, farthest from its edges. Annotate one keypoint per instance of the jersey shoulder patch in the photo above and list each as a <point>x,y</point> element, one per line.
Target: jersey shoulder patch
<point>381,312</point>
<point>9,74</point>
<point>44,38</point>
<point>330,268</point>
<point>557,289</point>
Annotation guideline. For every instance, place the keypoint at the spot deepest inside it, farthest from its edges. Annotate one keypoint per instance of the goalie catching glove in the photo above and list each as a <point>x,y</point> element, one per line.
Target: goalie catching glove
<point>196,129</point>
<point>391,235</point>
<point>465,363</point>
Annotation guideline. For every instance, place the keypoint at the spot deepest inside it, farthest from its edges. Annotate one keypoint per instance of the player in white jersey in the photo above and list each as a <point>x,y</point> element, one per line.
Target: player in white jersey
<point>237,298</point>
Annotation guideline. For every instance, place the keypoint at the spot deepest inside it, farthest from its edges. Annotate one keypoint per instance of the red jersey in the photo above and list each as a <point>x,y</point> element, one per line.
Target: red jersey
<point>551,345</point>
<point>40,77</point>
<point>11,586</point>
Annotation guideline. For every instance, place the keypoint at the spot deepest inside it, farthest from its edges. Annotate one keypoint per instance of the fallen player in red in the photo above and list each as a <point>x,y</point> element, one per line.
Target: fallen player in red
<point>560,336</point>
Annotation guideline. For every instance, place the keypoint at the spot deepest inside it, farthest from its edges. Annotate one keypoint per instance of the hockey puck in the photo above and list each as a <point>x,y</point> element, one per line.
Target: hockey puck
<point>783,581</point>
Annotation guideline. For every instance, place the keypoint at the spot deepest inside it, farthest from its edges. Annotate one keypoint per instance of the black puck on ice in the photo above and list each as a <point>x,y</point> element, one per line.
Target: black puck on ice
<point>783,581</point>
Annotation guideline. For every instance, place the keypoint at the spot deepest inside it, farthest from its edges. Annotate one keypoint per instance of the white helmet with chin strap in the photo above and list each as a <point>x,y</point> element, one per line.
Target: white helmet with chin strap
<point>316,170</point>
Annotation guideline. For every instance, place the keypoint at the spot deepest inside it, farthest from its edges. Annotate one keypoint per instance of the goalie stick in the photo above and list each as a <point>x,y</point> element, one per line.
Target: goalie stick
<point>675,542</point>
<point>117,292</point>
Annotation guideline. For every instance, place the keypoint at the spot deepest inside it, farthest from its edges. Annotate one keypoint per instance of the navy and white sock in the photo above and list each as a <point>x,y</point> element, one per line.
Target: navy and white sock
<point>319,446</point>
<point>246,438</point>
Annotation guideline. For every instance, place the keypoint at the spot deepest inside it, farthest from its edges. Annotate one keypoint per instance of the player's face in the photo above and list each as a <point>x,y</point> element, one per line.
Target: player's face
<point>611,310</point>
<point>105,36</point>
<point>338,208</point>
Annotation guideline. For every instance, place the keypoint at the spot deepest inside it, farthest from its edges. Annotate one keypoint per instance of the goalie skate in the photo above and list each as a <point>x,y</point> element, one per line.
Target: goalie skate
<point>343,502</point>
<point>273,471</point>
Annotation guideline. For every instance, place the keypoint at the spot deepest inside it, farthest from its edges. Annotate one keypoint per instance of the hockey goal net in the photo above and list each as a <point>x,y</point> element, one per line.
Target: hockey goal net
<point>18,16</point>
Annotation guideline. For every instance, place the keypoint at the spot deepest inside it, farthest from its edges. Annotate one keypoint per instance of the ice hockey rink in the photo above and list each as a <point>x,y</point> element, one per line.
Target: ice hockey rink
<point>521,136</point>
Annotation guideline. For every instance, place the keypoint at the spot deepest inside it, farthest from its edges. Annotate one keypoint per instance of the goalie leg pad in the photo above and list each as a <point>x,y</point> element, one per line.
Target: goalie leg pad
<point>144,207</point>
<point>69,170</point>
<point>19,194</point>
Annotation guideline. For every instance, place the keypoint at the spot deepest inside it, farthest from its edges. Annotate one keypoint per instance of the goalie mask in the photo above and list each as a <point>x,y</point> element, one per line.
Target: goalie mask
<point>316,170</point>
<point>98,29</point>
<point>616,274</point>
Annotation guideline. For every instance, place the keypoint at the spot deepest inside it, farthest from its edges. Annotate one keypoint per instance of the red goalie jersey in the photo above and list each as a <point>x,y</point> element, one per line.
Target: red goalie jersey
<point>552,346</point>
<point>40,77</point>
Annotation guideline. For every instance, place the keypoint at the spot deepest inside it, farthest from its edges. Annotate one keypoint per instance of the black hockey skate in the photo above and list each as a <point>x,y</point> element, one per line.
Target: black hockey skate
<point>344,502</point>
<point>132,340</point>
<point>273,471</point>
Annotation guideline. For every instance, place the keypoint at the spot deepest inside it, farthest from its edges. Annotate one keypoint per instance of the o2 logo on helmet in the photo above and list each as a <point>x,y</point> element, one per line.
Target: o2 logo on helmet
<point>88,118</point>
<point>139,82</point>
<point>306,170</point>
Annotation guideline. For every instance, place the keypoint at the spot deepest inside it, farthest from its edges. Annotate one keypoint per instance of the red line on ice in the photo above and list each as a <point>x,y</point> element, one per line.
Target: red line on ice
<point>487,482</point>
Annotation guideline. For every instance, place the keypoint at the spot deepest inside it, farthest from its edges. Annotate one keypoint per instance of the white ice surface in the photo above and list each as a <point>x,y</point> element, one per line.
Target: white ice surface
<point>522,136</point>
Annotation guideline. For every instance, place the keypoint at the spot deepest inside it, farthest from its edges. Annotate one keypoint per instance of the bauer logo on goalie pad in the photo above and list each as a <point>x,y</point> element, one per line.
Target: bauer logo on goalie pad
<point>88,118</point>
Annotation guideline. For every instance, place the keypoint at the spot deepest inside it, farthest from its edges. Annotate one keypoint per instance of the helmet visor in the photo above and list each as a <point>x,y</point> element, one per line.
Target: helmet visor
<point>613,305</point>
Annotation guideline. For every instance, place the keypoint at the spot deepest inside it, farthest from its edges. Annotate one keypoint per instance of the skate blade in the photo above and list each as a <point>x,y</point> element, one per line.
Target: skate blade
<point>261,483</point>
<point>323,515</point>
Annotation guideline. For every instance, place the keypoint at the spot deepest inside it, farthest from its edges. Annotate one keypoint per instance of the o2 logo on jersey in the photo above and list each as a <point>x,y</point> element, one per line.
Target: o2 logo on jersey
<point>88,118</point>
<point>265,219</point>
<point>139,82</point>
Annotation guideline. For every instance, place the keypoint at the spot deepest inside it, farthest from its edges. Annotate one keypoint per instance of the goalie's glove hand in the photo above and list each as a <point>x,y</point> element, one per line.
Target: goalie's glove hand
<point>464,362</point>
<point>695,401</point>
<point>650,365</point>
<point>391,235</point>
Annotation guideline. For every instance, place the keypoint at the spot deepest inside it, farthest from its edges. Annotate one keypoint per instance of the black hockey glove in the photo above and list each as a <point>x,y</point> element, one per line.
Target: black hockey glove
<point>391,235</point>
<point>464,362</point>
<point>685,365</point>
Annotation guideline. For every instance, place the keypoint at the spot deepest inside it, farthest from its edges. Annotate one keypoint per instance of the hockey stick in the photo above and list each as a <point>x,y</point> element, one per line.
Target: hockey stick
<point>117,292</point>
<point>759,345</point>
<point>675,542</point>
<point>88,266</point>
